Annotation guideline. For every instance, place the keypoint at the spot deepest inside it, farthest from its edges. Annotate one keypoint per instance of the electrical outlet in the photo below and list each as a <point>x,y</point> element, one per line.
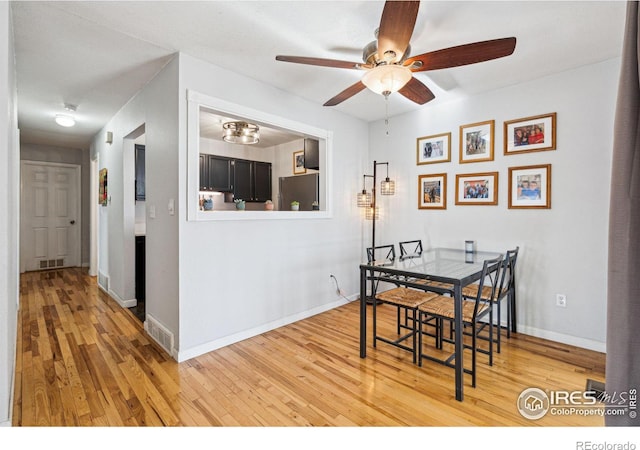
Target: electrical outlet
<point>561,300</point>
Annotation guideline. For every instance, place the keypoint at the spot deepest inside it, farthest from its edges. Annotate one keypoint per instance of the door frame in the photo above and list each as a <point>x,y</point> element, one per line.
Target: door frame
<point>78,231</point>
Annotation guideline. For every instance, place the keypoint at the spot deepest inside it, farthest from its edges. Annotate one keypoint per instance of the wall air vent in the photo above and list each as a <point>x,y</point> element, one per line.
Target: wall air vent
<point>103,281</point>
<point>159,333</point>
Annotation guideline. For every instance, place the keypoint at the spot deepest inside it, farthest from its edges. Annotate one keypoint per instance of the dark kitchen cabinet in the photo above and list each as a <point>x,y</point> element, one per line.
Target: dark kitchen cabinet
<point>252,180</point>
<point>242,180</point>
<point>261,181</point>
<point>247,180</point>
<point>140,172</point>
<point>204,173</point>
<point>311,154</point>
<point>216,173</point>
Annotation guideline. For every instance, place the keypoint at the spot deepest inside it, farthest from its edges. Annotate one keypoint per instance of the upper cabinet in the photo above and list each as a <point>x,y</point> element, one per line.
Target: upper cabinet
<point>140,172</point>
<point>247,180</point>
<point>311,154</point>
<point>215,173</point>
<point>242,180</point>
<point>261,181</point>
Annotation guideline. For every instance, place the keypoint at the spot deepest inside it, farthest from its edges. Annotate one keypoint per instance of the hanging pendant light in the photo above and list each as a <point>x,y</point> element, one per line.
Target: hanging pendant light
<point>369,213</point>
<point>387,186</point>
<point>364,197</point>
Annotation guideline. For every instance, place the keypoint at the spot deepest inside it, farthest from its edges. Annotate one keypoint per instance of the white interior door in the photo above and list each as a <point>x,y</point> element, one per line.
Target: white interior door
<point>50,216</point>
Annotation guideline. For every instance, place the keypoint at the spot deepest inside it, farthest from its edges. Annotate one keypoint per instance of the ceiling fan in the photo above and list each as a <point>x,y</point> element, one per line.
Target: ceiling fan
<point>388,64</point>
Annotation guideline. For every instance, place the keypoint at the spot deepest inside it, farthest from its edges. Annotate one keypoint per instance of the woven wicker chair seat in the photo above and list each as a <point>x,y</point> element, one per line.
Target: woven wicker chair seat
<point>443,306</point>
<point>409,298</point>
<point>437,284</point>
<point>472,291</point>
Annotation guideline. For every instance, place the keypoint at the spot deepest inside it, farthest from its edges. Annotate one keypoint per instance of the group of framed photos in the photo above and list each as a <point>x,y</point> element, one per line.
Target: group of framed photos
<point>529,186</point>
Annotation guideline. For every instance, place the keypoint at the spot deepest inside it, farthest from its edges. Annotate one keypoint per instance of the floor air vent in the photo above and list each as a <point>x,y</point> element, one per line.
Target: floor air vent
<point>159,333</point>
<point>595,389</point>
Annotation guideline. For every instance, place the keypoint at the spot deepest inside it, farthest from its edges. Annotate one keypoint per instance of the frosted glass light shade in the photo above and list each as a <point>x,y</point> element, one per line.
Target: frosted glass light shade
<point>65,120</point>
<point>386,79</point>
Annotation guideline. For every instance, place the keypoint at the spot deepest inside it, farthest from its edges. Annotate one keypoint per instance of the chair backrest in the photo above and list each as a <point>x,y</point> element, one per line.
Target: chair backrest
<point>408,248</point>
<point>507,276</point>
<point>491,270</point>
<point>381,253</point>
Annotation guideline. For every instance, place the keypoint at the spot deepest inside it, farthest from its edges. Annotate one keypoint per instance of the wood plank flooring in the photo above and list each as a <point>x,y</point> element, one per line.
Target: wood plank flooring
<point>84,361</point>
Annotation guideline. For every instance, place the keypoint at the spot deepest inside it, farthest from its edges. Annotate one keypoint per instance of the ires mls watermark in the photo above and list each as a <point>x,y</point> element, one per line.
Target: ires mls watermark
<point>534,403</point>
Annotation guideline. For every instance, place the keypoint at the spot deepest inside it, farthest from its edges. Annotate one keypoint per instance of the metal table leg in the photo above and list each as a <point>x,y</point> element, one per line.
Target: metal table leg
<point>459,350</point>
<point>363,313</point>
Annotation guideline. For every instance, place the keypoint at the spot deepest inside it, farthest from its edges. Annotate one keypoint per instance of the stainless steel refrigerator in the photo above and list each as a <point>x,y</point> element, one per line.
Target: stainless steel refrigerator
<point>302,188</point>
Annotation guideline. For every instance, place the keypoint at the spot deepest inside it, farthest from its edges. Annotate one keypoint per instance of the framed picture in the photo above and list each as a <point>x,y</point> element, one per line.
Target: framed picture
<point>476,142</point>
<point>530,134</point>
<point>477,188</point>
<point>432,191</point>
<point>102,191</point>
<point>298,162</point>
<point>530,187</point>
<point>433,149</point>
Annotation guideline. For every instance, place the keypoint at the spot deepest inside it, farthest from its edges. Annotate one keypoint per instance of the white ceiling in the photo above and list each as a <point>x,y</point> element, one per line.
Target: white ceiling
<point>97,55</point>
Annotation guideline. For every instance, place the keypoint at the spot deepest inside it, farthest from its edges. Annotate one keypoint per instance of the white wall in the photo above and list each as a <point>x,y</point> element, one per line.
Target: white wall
<point>153,110</point>
<point>9,214</point>
<point>562,250</point>
<point>241,277</point>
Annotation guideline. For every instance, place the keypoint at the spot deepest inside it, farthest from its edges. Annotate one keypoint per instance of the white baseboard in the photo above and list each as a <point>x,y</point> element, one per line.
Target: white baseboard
<point>564,338</point>
<point>124,303</point>
<point>193,352</point>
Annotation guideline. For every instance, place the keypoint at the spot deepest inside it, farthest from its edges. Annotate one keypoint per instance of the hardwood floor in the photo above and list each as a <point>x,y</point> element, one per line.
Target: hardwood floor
<point>84,361</point>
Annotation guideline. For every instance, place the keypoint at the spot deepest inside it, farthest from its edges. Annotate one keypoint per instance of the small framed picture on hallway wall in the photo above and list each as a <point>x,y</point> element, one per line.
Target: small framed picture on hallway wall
<point>102,192</point>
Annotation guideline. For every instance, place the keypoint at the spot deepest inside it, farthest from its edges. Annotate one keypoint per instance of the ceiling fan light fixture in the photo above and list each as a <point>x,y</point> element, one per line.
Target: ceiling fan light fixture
<point>386,79</point>
<point>241,133</point>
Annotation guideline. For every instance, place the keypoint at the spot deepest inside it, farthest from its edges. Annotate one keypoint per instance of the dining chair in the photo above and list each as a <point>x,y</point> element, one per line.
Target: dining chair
<point>413,248</point>
<point>505,291</point>
<point>510,291</point>
<point>405,300</point>
<point>473,310</point>
<point>410,248</point>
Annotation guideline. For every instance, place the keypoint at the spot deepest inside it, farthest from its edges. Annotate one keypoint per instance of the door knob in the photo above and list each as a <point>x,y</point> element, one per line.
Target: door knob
<point>72,222</point>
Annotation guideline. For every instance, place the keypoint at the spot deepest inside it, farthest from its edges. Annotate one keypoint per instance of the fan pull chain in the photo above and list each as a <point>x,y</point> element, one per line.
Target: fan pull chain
<point>386,114</point>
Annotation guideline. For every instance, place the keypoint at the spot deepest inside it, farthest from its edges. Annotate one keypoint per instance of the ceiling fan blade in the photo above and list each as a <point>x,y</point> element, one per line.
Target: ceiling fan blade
<point>462,55</point>
<point>396,27</point>
<point>417,92</point>
<point>346,94</point>
<point>321,62</point>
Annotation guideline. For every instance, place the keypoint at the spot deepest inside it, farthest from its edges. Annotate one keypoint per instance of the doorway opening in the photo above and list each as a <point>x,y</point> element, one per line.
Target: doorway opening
<point>135,219</point>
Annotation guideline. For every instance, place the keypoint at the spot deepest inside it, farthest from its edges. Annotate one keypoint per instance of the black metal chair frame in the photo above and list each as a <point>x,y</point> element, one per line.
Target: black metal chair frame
<point>413,249</point>
<point>490,270</point>
<point>505,291</point>
<point>408,327</point>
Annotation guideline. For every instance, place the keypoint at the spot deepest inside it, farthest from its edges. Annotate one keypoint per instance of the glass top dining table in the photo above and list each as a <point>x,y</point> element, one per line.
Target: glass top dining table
<point>454,266</point>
